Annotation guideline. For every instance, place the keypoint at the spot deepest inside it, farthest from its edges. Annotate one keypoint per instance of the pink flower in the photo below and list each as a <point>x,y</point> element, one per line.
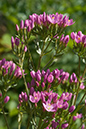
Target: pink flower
<point>50,107</point>
<point>71,109</point>
<point>82,86</point>
<point>35,98</point>
<point>50,78</point>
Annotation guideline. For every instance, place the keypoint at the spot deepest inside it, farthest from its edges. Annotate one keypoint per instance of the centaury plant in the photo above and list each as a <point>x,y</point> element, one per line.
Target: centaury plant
<point>46,107</point>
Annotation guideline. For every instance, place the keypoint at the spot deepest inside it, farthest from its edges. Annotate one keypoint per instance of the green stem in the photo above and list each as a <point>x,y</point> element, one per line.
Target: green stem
<point>77,94</point>
<point>48,62</point>
<point>25,83</point>
<point>5,117</point>
<point>82,99</point>
<point>84,72</point>
<point>19,120</point>
<point>28,124</point>
<point>78,84</point>
<point>48,45</point>
<point>40,121</point>
<point>30,57</point>
<point>79,66</point>
<point>39,63</point>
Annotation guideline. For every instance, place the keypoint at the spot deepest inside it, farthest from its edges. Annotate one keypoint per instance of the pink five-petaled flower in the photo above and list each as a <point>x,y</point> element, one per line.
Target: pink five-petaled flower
<point>50,107</point>
<point>35,98</point>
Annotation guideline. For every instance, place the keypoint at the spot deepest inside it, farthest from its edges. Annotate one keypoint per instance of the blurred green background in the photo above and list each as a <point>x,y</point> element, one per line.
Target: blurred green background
<point>11,13</point>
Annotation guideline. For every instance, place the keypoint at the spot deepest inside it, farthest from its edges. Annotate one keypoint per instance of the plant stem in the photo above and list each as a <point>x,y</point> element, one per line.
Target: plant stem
<point>78,84</point>
<point>25,81</point>
<point>79,66</point>
<point>40,58</point>
<point>82,99</point>
<point>30,57</point>
<point>84,72</point>
<point>28,124</point>
<point>40,121</point>
<point>19,120</point>
<point>5,117</point>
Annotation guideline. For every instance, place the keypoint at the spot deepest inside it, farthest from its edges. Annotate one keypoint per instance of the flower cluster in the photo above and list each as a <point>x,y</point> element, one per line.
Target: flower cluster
<point>47,79</point>
<point>45,20</point>
<point>9,68</point>
<point>79,42</point>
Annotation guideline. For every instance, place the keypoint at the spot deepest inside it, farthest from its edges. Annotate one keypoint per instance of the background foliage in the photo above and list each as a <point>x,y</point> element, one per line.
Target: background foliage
<point>11,13</point>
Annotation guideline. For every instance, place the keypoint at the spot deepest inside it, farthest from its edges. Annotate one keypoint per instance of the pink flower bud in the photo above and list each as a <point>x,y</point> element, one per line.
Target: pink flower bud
<point>73,35</point>
<point>25,49</point>
<point>6,99</point>
<point>17,41</point>
<point>0,95</point>
<point>21,24</point>
<point>83,126</point>
<point>65,125</point>
<point>71,109</point>
<point>12,41</point>
<point>17,27</point>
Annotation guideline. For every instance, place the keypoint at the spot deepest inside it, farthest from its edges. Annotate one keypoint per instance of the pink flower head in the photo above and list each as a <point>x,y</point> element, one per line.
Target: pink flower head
<point>35,98</point>
<point>50,107</point>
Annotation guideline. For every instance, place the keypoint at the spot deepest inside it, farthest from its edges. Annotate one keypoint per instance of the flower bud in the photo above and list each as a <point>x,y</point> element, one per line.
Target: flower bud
<point>3,61</point>
<point>25,49</point>
<point>66,39</point>
<point>28,85</point>
<point>65,105</point>
<point>65,125</point>
<point>12,42</point>
<point>21,24</point>
<point>6,99</point>
<point>71,109</point>
<point>16,41</point>
<point>17,27</point>
<point>31,90</point>
<point>32,73</point>
<point>83,126</point>
<point>0,95</point>
<point>73,35</point>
